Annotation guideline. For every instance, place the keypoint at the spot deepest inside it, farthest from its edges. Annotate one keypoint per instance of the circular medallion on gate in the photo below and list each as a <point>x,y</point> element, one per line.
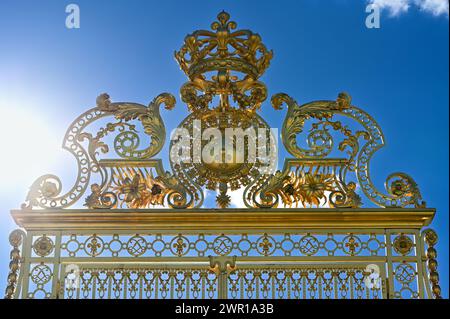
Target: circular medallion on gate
<point>265,245</point>
<point>94,246</point>
<point>222,245</point>
<point>41,274</point>
<point>405,273</point>
<point>308,245</point>
<point>43,246</point>
<point>403,244</point>
<point>136,245</point>
<point>179,245</point>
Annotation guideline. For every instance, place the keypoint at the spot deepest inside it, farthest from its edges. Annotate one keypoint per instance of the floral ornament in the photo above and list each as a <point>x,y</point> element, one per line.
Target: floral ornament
<point>272,190</point>
<point>403,244</point>
<point>297,188</point>
<point>138,191</point>
<point>314,187</point>
<point>49,189</point>
<point>94,245</point>
<point>265,245</point>
<point>352,244</point>
<point>179,245</point>
<point>93,200</point>
<point>157,192</point>
<point>400,185</point>
<point>42,190</point>
<point>289,189</point>
<point>399,188</point>
<point>223,200</point>
<point>133,188</point>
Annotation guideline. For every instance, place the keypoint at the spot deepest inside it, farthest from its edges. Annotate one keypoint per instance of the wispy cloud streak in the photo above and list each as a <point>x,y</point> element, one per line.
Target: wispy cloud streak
<point>398,7</point>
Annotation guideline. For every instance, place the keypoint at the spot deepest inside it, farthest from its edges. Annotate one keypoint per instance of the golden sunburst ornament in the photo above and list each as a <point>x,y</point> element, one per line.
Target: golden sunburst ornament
<point>307,188</point>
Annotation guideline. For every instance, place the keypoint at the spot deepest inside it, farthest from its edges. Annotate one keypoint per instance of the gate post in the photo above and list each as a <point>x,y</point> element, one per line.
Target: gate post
<point>221,265</point>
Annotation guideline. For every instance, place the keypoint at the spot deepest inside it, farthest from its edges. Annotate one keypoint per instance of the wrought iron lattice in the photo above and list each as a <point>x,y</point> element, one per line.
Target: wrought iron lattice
<point>203,245</point>
<point>294,282</point>
<point>143,283</point>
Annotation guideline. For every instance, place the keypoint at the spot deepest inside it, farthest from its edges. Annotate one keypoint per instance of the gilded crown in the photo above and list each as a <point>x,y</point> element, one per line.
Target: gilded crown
<point>239,58</point>
<point>222,48</point>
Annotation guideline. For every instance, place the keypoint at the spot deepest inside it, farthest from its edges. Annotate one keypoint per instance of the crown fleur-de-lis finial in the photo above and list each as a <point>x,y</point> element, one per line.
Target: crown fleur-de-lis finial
<point>224,24</point>
<point>239,58</point>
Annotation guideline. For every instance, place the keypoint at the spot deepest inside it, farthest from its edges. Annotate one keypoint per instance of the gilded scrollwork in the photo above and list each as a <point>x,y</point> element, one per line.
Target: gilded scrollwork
<point>257,94</point>
<point>401,188</point>
<point>254,253</point>
<point>178,195</point>
<point>189,93</point>
<point>224,66</point>
<point>345,198</point>
<point>151,121</point>
<point>227,64</point>
<point>294,124</point>
<point>304,183</point>
<point>46,191</point>
<point>134,187</point>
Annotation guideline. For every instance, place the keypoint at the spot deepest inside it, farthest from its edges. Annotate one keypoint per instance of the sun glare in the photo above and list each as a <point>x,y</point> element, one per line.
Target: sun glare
<point>30,148</point>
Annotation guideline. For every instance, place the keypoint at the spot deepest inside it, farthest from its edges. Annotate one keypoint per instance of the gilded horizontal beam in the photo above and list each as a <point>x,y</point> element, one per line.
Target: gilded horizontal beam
<point>220,220</point>
<point>252,260</point>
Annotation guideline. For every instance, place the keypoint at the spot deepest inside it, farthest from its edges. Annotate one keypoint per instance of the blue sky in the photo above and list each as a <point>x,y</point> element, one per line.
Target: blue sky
<point>398,74</point>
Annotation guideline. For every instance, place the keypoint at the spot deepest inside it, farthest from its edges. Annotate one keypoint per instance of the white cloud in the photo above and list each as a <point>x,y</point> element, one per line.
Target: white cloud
<point>435,7</point>
<point>397,7</point>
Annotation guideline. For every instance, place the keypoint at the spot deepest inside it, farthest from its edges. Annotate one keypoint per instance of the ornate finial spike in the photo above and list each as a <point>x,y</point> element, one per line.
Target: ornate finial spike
<point>223,18</point>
